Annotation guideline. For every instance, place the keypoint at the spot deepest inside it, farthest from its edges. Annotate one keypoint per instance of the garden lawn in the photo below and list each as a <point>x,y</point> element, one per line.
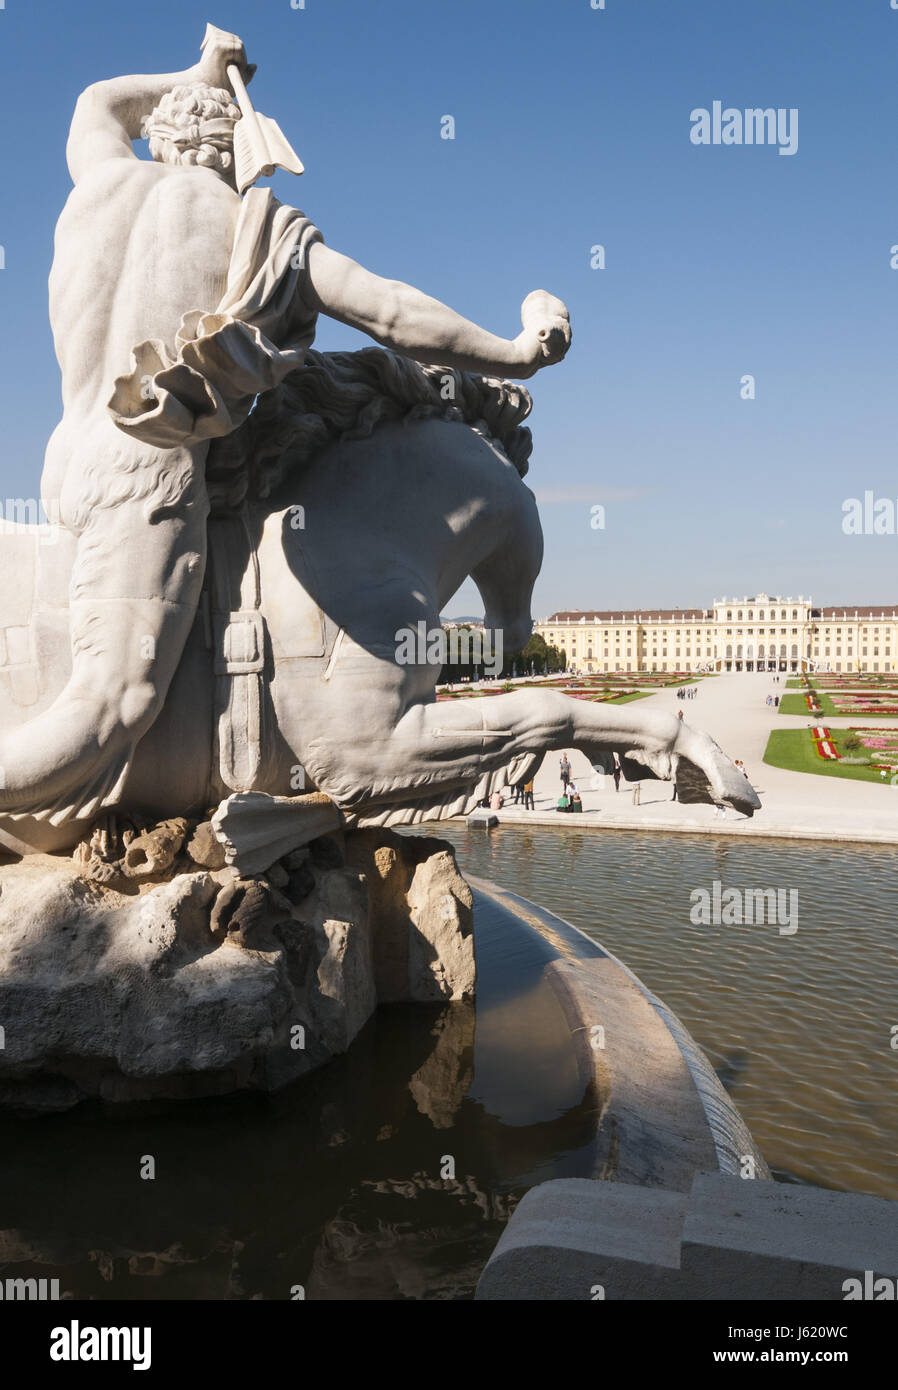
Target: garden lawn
<point>795,750</point>
<point>830,709</point>
<point>797,704</point>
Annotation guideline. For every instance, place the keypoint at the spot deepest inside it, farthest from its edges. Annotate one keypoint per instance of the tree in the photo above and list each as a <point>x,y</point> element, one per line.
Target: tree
<point>538,654</point>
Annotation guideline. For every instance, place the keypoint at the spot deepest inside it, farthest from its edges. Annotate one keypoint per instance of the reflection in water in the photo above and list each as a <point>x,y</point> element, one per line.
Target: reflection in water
<point>389,1174</point>
<point>798,1027</point>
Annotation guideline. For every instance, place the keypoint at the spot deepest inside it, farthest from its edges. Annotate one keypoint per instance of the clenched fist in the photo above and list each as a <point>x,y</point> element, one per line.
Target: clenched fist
<point>547,331</point>
<point>219,50</point>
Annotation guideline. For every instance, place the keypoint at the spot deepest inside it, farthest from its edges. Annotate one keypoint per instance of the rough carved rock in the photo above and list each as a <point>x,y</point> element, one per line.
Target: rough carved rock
<point>209,982</point>
<point>151,853</point>
<point>423,913</point>
<point>205,848</point>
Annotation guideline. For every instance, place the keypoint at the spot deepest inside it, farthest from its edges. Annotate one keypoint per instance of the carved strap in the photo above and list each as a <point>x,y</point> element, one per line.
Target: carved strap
<point>238,635</point>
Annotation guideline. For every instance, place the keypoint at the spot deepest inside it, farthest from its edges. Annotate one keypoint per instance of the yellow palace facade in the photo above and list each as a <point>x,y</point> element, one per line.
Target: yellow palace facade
<point>763,633</point>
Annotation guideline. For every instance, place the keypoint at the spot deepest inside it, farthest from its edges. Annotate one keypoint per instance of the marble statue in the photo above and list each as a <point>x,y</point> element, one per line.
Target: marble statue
<point>201,695</point>
<point>242,524</point>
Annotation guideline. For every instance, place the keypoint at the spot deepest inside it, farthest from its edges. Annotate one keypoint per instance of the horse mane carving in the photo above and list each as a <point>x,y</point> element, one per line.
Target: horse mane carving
<point>346,395</point>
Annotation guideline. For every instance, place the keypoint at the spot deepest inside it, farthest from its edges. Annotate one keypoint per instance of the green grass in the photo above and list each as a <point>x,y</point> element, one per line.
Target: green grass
<point>796,704</point>
<point>871,683</point>
<point>625,699</point>
<point>794,750</point>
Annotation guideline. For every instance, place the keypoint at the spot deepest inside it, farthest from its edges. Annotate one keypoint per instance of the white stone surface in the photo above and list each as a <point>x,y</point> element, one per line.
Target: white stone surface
<point>162,353</point>
<point>134,693</point>
<point>727,1239</point>
<point>194,984</point>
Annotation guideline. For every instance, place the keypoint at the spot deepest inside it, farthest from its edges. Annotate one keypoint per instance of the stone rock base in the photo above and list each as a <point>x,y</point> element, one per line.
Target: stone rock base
<point>159,973</point>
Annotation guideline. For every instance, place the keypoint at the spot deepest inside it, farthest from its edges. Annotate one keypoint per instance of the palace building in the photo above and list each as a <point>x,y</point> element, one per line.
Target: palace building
<point>764,633</point>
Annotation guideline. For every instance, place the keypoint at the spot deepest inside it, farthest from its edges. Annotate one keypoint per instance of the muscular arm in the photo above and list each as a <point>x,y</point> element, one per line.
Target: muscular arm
<point>109,116</point>
<point>402,318</point>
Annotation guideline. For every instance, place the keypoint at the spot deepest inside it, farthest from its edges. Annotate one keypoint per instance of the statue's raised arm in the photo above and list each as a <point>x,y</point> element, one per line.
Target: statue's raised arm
<point>110,115</point>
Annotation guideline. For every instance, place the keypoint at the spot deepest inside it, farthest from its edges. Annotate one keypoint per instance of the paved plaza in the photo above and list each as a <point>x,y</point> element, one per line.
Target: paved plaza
<point>734,711</point>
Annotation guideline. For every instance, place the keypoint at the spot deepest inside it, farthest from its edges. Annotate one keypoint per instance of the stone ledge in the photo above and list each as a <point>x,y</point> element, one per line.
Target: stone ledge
<point>665,1116</point>
<point>730,1238</point>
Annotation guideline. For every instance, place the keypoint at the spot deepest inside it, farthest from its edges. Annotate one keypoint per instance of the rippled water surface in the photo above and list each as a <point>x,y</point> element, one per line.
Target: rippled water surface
<point>388,1174</point>
<point>798,1026</point>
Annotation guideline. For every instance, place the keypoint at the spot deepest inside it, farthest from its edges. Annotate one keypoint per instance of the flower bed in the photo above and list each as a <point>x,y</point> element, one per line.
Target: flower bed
<point>881,742</point>
<point>864,704</point>
<point>823,743</point>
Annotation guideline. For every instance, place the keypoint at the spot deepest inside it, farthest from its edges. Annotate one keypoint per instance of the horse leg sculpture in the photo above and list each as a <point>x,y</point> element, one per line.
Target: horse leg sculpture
<point>444,748</point>
<point>448,744</point>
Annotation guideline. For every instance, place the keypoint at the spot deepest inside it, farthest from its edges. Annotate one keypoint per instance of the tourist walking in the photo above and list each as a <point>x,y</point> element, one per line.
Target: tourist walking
<point>565,768</point>
<point>616,774</point>
<point>528,796</point>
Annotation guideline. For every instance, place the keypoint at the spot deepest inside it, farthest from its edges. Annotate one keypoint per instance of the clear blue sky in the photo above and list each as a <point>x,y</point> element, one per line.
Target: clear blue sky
<point>572,128</point>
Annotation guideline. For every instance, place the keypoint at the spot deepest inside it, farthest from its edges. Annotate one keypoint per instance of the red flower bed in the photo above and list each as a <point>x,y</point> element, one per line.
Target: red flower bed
<point>824,744</point>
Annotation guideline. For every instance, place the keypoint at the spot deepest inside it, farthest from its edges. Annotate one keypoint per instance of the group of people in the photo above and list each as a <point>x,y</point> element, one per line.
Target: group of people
<point>687,692</point>
<point>570,797</point>
<point>773,700</point>
<point>523,794</point>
